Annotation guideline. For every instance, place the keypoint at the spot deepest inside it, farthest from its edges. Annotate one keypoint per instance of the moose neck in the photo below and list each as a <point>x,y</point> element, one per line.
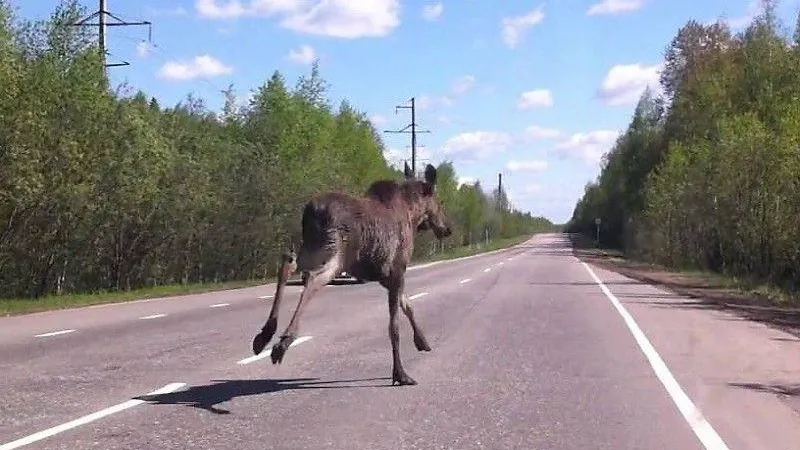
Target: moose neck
<point>416,212</point>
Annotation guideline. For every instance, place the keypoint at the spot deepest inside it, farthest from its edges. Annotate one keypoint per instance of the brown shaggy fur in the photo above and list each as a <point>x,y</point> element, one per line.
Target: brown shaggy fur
<point>371,237</point>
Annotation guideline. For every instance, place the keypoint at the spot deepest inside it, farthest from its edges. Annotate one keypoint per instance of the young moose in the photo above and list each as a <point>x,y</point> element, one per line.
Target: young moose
<point>372,237</point>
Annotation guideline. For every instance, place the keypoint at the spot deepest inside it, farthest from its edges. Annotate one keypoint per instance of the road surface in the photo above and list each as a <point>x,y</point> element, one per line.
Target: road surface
<point>532,349</point>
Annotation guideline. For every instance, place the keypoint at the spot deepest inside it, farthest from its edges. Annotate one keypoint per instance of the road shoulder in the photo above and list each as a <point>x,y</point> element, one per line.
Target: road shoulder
<point>742,375</point>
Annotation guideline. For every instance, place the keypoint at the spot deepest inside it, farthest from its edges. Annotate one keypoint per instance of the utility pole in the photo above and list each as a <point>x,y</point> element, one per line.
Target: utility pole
<point>414,131</point>
<point>101,20</point>
<point>102,23</point>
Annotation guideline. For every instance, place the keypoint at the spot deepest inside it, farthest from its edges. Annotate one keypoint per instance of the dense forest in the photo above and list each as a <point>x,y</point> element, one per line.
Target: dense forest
<point>105,191</point>
<point>707,175</point>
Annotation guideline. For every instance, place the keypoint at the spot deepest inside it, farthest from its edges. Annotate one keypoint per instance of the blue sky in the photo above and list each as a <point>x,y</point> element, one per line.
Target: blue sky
<point>537,90</point>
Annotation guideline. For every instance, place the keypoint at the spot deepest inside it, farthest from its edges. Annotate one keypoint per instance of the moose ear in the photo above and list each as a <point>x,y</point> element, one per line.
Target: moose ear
<point>430,175</point>
<point>407,171</point>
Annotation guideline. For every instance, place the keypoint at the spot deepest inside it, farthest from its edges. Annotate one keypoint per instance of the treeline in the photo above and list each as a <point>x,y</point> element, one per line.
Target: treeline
<point>105,191</point>
<point>708,175</point>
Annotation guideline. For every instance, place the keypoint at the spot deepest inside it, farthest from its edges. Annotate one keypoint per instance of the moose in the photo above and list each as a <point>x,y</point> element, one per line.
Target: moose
<point>372,238</point>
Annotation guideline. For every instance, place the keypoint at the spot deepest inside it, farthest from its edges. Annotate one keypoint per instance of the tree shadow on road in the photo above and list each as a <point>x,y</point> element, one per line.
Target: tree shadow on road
<point>786,320</point>
<point>208,396</point>
<point>586,283</point>
<point>791,390</point>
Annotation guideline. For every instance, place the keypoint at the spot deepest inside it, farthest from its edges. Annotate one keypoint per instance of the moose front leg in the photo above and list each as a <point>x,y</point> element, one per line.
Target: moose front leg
<point>399,374</point>
<point>419,337</point>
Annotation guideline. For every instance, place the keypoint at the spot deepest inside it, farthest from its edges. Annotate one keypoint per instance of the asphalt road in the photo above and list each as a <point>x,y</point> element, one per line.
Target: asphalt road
<point>531,350</point>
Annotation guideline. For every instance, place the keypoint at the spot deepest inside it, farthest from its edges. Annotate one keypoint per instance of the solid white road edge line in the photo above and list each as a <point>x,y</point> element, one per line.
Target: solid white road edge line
<point>702,429</point>
<point>268,351</point>
<point>152,316</point>
<point>416,296</point>
<point>172,387</point>
<point>54,333</point>
<point>219,305</point>
<point>477,255</point>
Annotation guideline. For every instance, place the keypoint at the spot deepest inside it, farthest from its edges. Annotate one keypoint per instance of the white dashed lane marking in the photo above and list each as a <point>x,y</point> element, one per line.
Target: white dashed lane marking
<point>465,280</point>
<point>268,351</point>
<point>38,436</point>
<point>416,296</point>
<point>153,316</point>
<point>54,333</point>
<point>219,305</point>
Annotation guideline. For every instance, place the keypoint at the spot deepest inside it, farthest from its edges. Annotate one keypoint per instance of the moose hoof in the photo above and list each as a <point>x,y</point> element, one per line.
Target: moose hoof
<point>261,339</point>
<point>259,342</point>
<point>421,344</point>
<point>279,349</point>
<point>402,379</point>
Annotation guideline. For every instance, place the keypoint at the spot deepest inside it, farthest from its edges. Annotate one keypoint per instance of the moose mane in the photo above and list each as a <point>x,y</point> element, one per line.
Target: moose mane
<point>388,191</point>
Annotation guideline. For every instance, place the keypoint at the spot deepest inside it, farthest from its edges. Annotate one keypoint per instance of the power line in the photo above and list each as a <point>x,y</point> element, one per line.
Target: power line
<point>413,132</point>
<point>101,14</point>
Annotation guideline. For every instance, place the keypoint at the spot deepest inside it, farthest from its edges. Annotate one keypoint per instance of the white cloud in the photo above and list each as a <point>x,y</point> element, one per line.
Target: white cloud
<point>143,49</point>
<point>614,7</point>
<point>742,21</point>
<point>444,119</point>
<point>534,165</point>
<point>176,11</point>
<point>589,146</point>
<point>514,27</point>
<point>463,84</point>
<point>477,144</point>
<point>528,192</point>
<point>228,10</point>
<point>432,12</point>
<point>395,156</point>
<point>425,102</point>
<point>538,98</point>
<point>625,83</point>
<point>532,188</point>
<point>738,22</point>
<point>200,66</point>
<point>379,120</point>
<point>303,55</point>
<point>466,180</point>
<point>537,133</point>
<point>346,19</point>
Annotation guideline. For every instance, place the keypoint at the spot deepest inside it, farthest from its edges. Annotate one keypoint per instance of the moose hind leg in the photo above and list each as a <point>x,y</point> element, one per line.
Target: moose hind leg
<point>268,330</point>
<point>419,337</point>
<point>316,279</point>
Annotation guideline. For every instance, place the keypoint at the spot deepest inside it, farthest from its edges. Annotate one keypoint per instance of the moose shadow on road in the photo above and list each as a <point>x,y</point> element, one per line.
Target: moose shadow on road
<point>208,396</point>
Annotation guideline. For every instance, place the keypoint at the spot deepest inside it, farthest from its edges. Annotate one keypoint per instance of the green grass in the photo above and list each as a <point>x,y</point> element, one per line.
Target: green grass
<point>17,306</point>
<point>460,252</point>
